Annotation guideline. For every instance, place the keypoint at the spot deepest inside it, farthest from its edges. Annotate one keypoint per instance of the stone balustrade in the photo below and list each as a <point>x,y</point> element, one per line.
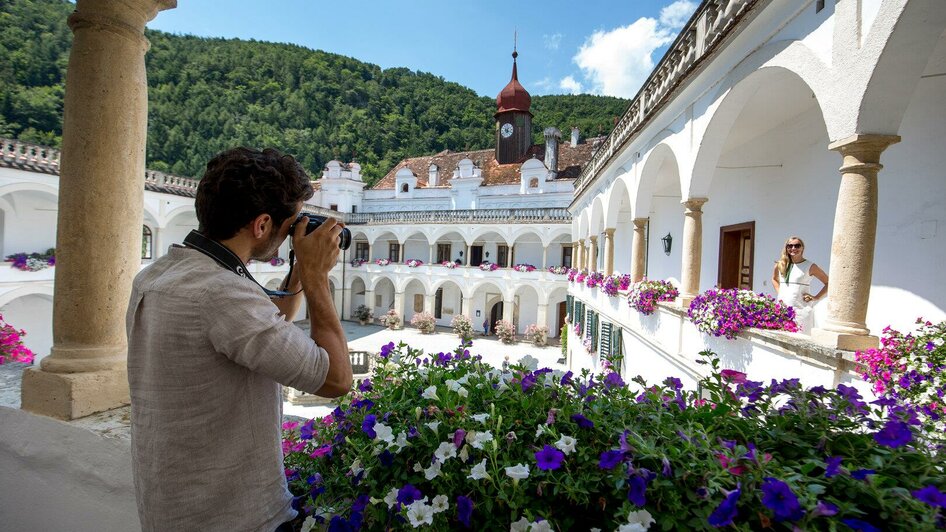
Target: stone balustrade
<point>39,158</point>
<point>483,216</point>
<point>713,21</point>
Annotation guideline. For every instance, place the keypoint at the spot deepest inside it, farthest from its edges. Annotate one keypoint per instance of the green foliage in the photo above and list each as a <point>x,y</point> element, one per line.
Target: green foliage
<point>206,95</point>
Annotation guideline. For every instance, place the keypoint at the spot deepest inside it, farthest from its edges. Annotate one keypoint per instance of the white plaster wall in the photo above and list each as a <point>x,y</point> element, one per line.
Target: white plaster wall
<point>55,476</point>
<point>666,217</point>
<point>31,226</point>
<point>528,301</point>
<point>416,248</point>
<point>33,314</point>
<point>529,253</point>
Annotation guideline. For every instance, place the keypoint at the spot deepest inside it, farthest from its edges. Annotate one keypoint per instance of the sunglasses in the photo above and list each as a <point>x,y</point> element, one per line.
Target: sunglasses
<point>789,246</point>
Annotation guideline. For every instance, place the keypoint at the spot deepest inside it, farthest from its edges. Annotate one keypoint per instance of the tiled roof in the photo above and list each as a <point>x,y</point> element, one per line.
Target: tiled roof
<point>570,162</point>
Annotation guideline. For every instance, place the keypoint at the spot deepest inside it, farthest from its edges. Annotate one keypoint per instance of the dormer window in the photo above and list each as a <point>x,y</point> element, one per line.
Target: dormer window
<point>405,188</point>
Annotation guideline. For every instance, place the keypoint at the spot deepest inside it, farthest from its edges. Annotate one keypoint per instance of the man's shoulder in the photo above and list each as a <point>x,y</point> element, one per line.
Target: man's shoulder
<point>181,269</point>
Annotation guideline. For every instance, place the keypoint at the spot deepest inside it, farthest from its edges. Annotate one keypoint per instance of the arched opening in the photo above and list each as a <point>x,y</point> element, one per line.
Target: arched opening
<point>32,313</point>
<point>147,244</point>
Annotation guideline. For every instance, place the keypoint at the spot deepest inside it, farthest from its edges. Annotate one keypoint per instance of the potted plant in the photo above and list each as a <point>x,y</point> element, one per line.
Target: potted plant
<point>424,321</point>
<point>538,335</point>
<point>391,320</point>
<point>363,314</point>
<point>506,331</point>
<point>462,327</point>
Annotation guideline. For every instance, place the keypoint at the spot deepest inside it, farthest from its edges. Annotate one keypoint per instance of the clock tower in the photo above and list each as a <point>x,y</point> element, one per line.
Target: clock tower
<point>513,120</point>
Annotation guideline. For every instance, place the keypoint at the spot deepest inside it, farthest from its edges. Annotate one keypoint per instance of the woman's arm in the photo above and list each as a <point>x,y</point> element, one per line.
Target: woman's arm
<point>775,282</point>
<point>819,274</point>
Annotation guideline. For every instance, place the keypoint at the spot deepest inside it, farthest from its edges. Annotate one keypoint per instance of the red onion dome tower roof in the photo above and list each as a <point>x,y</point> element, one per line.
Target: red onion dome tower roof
<point>513,97</point>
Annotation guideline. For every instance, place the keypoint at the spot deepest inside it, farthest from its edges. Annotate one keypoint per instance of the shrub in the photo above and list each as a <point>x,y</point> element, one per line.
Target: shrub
<point>645,294</point>
<point>363,313</point>
<point>424,321</point>
<point>538,335</point>
<point>910,370</point>
<point>726,312</point>
<point>391,320</point>
<point>450,442</point>
<point>462,327</point>
<point>506,331</point>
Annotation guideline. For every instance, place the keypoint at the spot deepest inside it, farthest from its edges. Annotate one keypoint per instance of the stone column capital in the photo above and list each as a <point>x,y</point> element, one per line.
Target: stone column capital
<point>869,146</point>
<point>593,239</point>
<point>609,233</point>
<point>640,223</point>
<point>694,205</point>
<point>126,18</point>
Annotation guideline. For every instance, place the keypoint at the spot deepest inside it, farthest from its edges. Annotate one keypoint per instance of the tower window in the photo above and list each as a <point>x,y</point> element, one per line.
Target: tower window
<point>405,188</point>
<point>146,240</point>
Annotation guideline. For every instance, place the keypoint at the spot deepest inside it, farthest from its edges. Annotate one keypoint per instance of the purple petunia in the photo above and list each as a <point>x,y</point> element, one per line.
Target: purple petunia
<point>637,490</point>
<point>861,526</point>
<point>458,436</point>
<point>528,381</point>
<point>566,378</point>
<point>727,510</point>
<point>895,434</point>
<point>825,509</point>
<point>832,466</point>
<point>610,459</point>
<point>779,497</point>
<point>613,380</point>
<point>582,421</point>
<point>386,349</point>
<point>307,430</point>
<point>549,458</point>
<point>931,495</point>
<point>367,426</point>
<point>862,474</point>
<point>365,385</point>
<point>408,494</point>
<point>464,510</point>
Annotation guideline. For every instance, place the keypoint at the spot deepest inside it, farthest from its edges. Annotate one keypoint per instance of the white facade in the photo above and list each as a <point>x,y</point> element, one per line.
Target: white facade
<point>741,113</point>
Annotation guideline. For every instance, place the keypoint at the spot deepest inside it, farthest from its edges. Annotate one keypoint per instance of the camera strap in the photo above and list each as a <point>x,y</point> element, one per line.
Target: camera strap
<point>228,259</point>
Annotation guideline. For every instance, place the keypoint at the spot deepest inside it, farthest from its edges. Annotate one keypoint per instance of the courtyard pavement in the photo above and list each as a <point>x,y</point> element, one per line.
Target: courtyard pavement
<point>115,423</point>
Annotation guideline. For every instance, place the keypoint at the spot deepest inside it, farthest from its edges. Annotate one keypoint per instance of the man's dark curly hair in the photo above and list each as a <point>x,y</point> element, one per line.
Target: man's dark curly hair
<point>241,184</point>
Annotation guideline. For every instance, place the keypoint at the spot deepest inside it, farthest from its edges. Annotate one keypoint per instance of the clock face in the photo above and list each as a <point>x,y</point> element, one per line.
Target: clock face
<point>506,130</point>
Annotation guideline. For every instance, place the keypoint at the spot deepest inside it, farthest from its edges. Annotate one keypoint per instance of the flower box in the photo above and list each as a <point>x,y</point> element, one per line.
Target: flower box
<point>382,262</point>
<point>413,263</point>
<point>489,267</point>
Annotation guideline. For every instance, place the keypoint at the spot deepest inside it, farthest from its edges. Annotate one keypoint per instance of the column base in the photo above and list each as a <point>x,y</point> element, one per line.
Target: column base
<point>70,396</point>
<point>685,300</point>
<point>844,341</point>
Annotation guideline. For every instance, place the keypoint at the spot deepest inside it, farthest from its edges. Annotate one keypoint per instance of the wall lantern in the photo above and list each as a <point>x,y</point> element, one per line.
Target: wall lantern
<point>461,253</point>
<point>668,241</point>
<point>487,254</point>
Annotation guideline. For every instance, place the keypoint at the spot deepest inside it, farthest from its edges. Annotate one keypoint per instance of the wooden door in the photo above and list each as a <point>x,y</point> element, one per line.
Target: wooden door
<point>736,251</point>
<point>476,255</point>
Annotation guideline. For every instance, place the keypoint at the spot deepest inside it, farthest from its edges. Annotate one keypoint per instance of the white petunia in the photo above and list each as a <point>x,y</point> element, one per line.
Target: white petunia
<point>445,451</point>
<point>462,392</point>
<point>430,393</point>
<point>356,467</point>
<point>632,527</point>
<point>440,504</point>
<point>480,418</point>
<point>539,430</point>
<point>391,498</point>
<point>481,438</point>
<point>309,524</point>
<point>401,442</point>
<point>419,513</point>
<point>433,471</point>
<point>518,471</point>
<point>566,444</point>
<point>384,432</point>
<point>433,425</point>
<point>453,385</point>
<point>464,379</point>
<point>464,453</point>
<point>522,525</point>
<point>541,526</point>
<point>479,471</point>
<point>642,517</point>
<point>417,467</point>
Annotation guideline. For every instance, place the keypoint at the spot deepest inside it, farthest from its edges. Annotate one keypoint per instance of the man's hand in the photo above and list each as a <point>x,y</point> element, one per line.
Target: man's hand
<point>317,252</point>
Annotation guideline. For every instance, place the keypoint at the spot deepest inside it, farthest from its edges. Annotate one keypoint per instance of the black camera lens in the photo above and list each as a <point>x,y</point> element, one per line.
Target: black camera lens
<point>344,239</point>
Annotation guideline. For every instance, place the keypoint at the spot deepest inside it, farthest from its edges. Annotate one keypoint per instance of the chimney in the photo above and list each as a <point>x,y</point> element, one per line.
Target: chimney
<point>433,175</point>
<point>574,136</point>
<point>552,138</point>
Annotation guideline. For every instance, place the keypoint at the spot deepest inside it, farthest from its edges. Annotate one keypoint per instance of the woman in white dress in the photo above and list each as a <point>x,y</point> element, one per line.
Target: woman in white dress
<point>792,281</point>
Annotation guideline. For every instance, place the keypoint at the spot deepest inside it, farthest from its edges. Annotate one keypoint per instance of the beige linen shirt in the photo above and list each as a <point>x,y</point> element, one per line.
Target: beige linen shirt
<point>207,351</point>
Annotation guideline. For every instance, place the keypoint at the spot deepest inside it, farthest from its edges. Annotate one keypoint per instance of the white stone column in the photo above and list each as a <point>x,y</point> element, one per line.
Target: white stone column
<point>101,192</point>
<point>346,304</point>
<point>692,249</point>
<point>609,251</point>
<point>468,256</point>
<point>508,311</point>
<point>545,257</point>
<point>369,301</point>
<point>542,316</point>
<point>370,258</point>
<point>639,249</point>
<point>593,262</point>
<point>431,254</point>
<point>578,259</point>
<point>468,309</point>
<point>429,301</point>
<point>158,250</point>
<point>852,246</point>
<point>399,305</point>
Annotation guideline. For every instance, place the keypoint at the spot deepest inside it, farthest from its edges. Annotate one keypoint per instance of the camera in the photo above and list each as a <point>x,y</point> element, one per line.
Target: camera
<point>344,238</point>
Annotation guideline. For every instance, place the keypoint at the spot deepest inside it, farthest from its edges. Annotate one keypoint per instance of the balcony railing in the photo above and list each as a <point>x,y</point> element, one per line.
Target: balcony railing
<point>707,28</point>
<point>482,216</point>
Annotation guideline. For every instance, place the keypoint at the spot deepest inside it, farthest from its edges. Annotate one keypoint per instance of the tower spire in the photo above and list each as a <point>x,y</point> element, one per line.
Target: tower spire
<point>515,54</point>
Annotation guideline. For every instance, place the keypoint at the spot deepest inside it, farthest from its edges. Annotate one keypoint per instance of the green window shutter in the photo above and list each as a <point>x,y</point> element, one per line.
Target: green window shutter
<point>617,343</point>
<point>605,339</point>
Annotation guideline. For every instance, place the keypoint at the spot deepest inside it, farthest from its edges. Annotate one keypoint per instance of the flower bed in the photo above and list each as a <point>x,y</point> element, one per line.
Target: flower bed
<point>524,268</point>
<point>449,264</point>
<point>645,294</point>
<point>450,443</point>
<point>489,266</point>
<point>33,262</point>
<point>11,344</point>
<point>909,371</point>
<point>726,312</point>
<point>382,262</point>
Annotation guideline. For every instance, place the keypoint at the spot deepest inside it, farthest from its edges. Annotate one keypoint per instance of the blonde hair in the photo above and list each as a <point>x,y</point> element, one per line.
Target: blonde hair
<point>784,260</point>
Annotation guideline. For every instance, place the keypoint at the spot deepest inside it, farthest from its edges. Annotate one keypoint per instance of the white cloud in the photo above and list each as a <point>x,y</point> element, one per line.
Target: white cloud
<point>677,14</point>
<point>617,62</point>
<point>552,42</point>
<point>570,85</point>
<point>545,84</point>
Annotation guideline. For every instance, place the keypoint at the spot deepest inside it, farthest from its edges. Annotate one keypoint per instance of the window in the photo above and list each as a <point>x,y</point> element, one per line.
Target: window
<point>333,207</point>
<point>534,183</point>
<point>502,256</point>
<point>819,5</point>
<point>361,251</point>
<point>405,188</point>
<point>354,209</point>
<point>566,256</point>
<point>443,252</point>
<point>394,252</point>
<point>438,304</point>
<point>146,242</point>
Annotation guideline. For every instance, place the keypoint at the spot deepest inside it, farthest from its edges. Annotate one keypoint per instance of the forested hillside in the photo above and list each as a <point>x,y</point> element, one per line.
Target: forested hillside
<point>209,94</point>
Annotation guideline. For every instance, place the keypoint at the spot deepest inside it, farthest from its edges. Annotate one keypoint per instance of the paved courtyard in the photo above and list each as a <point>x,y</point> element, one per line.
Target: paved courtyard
<point>114,423</point>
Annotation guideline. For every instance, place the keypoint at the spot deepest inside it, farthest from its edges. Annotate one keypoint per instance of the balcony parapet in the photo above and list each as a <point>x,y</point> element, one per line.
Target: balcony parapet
<point>707,28</point>
<point>460,272</point>
<point>475,216</point>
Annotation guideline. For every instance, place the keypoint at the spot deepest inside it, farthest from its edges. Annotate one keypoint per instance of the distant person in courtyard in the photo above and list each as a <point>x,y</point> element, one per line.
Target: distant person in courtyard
<point>792,281</point>
<point>208,350</point>
<point>486,327</point>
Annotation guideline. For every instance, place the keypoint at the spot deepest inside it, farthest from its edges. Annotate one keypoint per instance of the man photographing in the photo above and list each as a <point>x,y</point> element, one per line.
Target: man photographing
<point>208,350</point>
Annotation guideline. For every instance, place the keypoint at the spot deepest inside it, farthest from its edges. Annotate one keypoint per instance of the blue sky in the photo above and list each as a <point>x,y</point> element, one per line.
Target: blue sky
<point>579,46</point>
